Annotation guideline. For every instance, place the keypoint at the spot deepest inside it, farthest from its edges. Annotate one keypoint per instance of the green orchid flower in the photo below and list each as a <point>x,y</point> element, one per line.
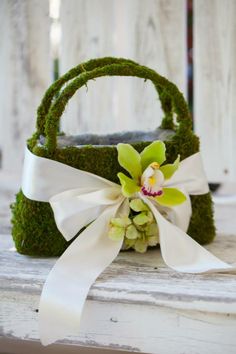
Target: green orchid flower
<point>148,174</point>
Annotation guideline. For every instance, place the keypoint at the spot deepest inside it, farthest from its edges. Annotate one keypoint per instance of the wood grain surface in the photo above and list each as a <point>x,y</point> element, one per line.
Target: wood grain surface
<point>136,305</point>
<point>25,73</point>
<point>150,32</point>
<point>215,85</point>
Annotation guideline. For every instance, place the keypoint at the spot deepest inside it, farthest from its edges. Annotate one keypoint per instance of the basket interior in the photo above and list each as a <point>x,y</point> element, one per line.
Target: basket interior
<point>111,139</point>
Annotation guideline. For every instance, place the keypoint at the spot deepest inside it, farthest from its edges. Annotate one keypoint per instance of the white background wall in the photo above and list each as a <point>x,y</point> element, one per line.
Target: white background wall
<point>152,32</point>
<point>24,73</point>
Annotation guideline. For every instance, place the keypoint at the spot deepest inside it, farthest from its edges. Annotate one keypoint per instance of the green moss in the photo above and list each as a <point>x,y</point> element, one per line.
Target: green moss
<point>34,229</point>
<point>201,227</point>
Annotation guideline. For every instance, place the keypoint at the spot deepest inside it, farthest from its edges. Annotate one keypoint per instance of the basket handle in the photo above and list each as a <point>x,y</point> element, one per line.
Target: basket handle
<point>165,88</point>
<point>54,90</point>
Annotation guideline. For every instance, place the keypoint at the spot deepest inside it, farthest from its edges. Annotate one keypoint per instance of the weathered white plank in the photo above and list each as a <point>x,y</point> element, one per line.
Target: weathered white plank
<point>10,346</point>
<point>159,42</point>
<point>151,32</point>
<point>135,328</point>
<point>25,73</point>
<point>132,305</point>
<point>215,85</point>
<point>135,278</point>
<point>137,304</point>
<point>87,32</point>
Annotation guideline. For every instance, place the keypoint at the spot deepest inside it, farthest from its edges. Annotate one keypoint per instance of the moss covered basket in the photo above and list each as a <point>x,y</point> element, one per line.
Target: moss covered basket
<point>34,230</point>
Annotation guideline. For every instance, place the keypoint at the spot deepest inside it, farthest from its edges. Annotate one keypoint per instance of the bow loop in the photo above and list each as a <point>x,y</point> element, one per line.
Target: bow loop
<point>190,176</point>
<point>76,208</point>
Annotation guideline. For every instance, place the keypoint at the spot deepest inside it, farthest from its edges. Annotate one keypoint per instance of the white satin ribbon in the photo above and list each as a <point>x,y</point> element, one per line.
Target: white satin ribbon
<point>79,198</point>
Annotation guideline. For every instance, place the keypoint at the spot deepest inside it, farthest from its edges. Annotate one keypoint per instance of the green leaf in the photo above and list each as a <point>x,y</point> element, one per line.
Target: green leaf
<point>171,197</point>
<point>138,205</point>
<point>129,186</point>
<point>121,222</point>
<point>141,219</point>
<point>116,233</point>
<point>130,160</point>
<point>169,169</point>
<point>155,152</point>
<point>132,233</point>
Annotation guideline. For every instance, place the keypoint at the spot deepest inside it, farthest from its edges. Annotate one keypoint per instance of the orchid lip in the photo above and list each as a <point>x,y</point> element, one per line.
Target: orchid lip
<point>150,193</point>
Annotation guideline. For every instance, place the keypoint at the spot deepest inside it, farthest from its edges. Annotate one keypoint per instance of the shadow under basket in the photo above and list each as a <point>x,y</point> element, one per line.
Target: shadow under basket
<point>34,230</point>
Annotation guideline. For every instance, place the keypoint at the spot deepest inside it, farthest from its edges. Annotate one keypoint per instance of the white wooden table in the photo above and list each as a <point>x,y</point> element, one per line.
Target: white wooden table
<point>136,305</point>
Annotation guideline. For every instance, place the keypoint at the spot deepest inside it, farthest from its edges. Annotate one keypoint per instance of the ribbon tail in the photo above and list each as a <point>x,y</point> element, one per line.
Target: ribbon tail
<point>180,252</point>
<point>66,288</point>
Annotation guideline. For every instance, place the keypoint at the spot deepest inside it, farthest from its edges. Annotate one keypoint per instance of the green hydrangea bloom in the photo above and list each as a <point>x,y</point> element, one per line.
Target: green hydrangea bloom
<point>138,231</point>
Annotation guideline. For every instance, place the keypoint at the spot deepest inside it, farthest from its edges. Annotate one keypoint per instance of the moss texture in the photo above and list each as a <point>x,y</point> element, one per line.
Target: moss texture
<point>34,230</point>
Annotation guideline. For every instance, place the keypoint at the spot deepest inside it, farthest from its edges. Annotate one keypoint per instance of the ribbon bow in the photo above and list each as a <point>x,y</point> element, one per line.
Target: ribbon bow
<point>78,199</point>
